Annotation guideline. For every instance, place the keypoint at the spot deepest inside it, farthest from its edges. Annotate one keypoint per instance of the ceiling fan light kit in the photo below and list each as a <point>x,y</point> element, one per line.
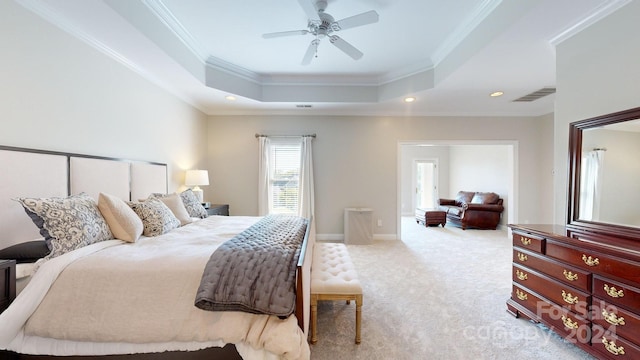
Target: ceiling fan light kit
<point>322,25</point>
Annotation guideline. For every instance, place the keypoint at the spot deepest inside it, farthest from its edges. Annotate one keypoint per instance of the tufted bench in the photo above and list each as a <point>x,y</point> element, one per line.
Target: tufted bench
<point>333,277</point>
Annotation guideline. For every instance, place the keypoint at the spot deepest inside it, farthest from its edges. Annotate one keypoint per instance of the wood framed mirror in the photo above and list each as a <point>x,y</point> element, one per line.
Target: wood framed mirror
<point>604,175</point>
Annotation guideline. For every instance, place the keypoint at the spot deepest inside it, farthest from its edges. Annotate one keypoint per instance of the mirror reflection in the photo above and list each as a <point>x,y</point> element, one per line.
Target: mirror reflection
<point>610,174</point>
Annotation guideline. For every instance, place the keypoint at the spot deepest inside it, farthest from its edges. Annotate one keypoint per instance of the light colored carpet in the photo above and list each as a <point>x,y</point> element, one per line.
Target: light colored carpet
<point>440,293</point>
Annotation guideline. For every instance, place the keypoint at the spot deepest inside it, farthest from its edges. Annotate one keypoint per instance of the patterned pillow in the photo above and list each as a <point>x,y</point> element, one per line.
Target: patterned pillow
<point>194,207</point>
<point>67,223</point>
<point>156,217</point>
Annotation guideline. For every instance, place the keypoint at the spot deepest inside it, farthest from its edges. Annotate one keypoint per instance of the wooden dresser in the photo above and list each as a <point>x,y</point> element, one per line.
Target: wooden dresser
<point>583,285</point>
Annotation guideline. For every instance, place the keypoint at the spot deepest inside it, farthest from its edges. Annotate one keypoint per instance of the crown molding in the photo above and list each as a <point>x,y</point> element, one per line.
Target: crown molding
<point>468,25</point>
<point>600,13</point>
<point>160,10</point>
<point>46,12</point>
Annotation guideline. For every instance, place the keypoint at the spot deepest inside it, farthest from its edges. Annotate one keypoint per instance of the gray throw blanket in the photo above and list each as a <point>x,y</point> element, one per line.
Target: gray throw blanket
<point>255,271</point>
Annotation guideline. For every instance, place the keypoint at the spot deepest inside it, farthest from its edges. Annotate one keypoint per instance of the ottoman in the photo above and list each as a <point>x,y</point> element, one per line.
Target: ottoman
<point>431,217</point>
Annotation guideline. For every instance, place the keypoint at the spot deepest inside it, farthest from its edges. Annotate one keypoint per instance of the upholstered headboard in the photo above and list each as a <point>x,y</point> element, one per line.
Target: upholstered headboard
<point>41,173</point>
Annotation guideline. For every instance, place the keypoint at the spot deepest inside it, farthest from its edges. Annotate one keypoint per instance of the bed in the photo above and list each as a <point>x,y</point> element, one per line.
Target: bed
<point>134,299</point>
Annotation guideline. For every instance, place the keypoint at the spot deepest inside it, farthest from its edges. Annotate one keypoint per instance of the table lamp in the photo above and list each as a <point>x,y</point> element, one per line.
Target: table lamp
<point>196,178</point>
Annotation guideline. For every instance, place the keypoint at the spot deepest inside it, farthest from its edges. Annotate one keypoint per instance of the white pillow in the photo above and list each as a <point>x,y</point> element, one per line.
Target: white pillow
<point>122,220</point>
<point>175,204</point>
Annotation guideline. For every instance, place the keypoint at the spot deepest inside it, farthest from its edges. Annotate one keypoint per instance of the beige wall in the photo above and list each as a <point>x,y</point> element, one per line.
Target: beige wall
<point>58,93</point>
<point>597,73</point>
<point>356,160</point>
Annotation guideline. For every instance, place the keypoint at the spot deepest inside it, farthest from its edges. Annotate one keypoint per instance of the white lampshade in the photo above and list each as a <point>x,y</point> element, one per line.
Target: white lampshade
<point>195,178</point>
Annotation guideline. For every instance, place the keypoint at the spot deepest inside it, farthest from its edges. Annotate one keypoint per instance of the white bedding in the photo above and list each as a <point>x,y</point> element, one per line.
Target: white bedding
<point>143,301</point>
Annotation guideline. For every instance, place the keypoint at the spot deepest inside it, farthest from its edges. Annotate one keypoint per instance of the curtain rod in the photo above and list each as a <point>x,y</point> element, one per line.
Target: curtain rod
<point>285,136</point>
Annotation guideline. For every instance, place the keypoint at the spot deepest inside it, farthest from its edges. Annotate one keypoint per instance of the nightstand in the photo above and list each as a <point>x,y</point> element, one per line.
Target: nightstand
<point>7,283</point>
<point>218,209</point>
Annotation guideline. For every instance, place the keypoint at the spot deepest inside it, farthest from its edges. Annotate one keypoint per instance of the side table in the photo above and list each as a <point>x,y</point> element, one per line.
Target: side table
<point>218,209</point>
<point>7,283</point>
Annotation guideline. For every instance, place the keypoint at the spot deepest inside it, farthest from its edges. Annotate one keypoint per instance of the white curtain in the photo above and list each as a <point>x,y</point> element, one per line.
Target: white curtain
<point>591,187</point>
<point>306,194</point>
<point>264,188</point>
<point>306,199</point>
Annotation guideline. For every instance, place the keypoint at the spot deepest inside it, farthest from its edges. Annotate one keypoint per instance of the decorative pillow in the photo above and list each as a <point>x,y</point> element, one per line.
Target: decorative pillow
<point>26,252</point>
<point>464,197</point>
<point>67,223</point>
<point>193,205</point>
<point>175,204</point>
<point>122,220</point>
<point>156,217</point>
<point>485,198</point>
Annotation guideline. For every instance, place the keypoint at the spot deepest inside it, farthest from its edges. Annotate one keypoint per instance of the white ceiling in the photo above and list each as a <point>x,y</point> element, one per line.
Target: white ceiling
<point>450,55</point>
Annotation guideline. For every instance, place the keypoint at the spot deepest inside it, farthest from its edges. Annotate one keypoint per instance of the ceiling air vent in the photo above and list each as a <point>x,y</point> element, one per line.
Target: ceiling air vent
<point>536,95</point>
<point>303,106</point>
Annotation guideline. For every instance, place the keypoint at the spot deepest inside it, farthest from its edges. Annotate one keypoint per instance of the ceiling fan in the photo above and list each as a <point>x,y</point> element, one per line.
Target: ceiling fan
<point>323,25</point>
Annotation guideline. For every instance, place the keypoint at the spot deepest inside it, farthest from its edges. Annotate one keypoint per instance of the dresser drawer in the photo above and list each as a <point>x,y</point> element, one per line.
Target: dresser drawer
<point>571,275</point>
<point>528,241</point>
<point>615,319</point>
<point>617,293</point>
<point>566,323</point>
<point>612,346</point>
<point>595,262</point>
<point>559,293</point>
<point>525,298</point>
<point>572,327</point>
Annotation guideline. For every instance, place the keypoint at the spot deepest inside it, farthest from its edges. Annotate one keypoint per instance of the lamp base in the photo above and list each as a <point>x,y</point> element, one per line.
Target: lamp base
<point>198,193</point>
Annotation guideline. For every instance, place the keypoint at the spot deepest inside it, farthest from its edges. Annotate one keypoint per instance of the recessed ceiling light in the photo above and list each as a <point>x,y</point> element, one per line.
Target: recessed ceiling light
<point>409,99</point>
<point>496,93</point>
<point>230,98</point>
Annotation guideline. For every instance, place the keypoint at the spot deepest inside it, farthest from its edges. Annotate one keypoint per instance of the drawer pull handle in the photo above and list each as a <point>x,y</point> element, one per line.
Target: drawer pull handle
<point>568,298</point>
<point>570,276</point>
<point>522,257</point>
<point>525,241</point>
<point>612,318</point>
<point>521,294</point>
<point>569,323</point>
<point>613,292</point>
<point>590,261</point>
<point>611,347</point>
<point>521,275</point>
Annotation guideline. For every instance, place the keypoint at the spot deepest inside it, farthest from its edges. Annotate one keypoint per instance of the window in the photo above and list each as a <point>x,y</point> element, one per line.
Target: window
<point>284,176</point>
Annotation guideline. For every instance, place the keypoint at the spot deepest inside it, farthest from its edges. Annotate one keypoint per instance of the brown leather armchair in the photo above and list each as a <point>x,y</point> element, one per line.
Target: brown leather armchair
<point>478,210</point>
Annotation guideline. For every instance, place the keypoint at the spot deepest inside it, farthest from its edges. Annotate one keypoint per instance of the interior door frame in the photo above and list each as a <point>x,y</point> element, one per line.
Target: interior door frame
<point>511,207</point>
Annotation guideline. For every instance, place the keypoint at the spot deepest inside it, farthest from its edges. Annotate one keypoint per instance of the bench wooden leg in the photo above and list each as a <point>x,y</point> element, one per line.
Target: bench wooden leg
<point>358,317</point>
<point>314,318</point>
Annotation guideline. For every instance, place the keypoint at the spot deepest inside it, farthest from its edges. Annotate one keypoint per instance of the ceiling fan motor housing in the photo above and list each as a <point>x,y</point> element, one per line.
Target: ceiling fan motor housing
<point>321,5</point>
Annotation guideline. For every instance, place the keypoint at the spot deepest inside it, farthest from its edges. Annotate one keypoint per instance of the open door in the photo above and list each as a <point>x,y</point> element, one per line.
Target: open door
<point>425,180</point>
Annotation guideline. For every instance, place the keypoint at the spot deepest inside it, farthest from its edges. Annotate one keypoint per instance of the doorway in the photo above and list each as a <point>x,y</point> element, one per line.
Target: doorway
<point>425,183</point>
<point>494,163</point>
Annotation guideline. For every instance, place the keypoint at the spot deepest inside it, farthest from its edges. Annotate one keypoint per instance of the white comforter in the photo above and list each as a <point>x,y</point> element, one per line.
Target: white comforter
<point>115,298</point>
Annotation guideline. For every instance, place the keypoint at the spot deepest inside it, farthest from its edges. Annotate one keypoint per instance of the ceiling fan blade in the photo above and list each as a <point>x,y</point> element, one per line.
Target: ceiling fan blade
<point>346,47</point>
<point>365,18</point>
<point>310,10</point>
<point>311,50</point>
<point>285,33</point>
